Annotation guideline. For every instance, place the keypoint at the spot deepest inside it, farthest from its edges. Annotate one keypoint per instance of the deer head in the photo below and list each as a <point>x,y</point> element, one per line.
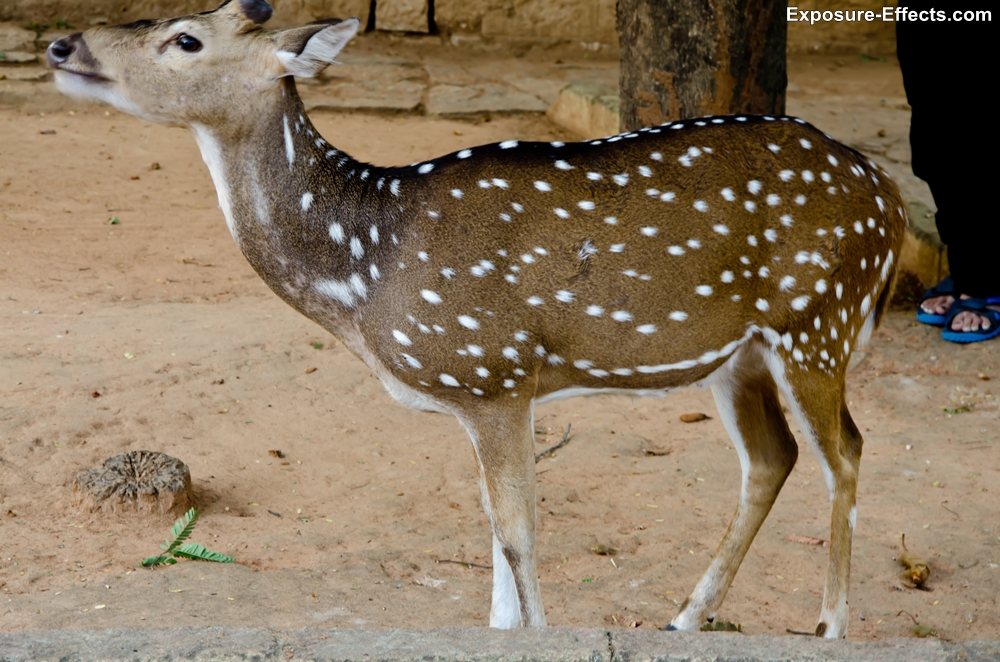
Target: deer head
<point>189,70</point>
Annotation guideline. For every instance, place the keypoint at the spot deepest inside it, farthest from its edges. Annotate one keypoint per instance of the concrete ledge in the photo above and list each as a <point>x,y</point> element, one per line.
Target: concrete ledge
<point>219,643</point>
<point>589,110</point>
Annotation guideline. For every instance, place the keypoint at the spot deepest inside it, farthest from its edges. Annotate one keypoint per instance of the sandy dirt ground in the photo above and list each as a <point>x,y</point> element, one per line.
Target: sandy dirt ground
<point>153,333</point>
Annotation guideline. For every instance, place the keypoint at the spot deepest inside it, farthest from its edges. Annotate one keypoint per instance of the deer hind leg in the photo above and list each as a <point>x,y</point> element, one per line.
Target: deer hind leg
<point>747,400</point>
<point>817,400</point>
<point>504,444</point>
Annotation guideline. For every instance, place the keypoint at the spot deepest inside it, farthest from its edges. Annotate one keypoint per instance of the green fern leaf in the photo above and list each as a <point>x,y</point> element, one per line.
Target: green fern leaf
<point>182,529</point>
<point>154,561</point>
<point>193,550</point>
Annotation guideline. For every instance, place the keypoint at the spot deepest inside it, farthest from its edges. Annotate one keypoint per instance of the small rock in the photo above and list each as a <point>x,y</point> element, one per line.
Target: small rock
<point>694,417</point>
<point>136,481</point>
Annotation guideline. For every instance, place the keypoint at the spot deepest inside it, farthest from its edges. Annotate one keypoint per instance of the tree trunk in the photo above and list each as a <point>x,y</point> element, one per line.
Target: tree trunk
<point>690,58</point>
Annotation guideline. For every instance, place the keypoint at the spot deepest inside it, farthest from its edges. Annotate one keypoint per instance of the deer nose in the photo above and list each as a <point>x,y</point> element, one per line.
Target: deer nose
<point>60,49</point>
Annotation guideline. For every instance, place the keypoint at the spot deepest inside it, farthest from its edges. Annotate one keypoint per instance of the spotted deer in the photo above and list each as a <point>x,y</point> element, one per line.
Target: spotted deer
<point>751,254</point>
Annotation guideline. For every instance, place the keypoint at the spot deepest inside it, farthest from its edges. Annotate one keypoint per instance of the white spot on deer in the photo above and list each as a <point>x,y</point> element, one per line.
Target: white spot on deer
<point>594,310</point>
<point>754,186</point>
<point>786,175</point>
<point>800,303</point>
<point>645,171</point>
<point>611,220</point>
<point>763,272</point>
<point>832,159</point>
<point>774,148</point>
<point>374,272</point>
<point>482,372</point>
<point>594,176</point>
<point>762,305</point>
<point>457,193</point>
<point>561,213</point>
<point>289,144</point>
<point>448,273</point>
<point>411,361</point>
<point>357,250</point>
<point>646,329</point>
<point>656,156</point>
<point>786,283</point>
<point>557,143</point>
<point>700,205</point>
<point>751,240</point>
<point>667,196</point>
<point>510,353</point>
<point>307,200</point>
<point>337,233</point>
<point>800,199</point>
<point>509,383</point>
<point>719,228</point>
<point>787,220</point>
<point>468,322</point>
<point>562,165</point>
<point>545,187</point>
<point>750,206</point>
<point>620,179</point>
<point>586,205</point>
<point>500,183</point>
<point>508,144</point>
<point>616,248</point>
<point>678,315</point>
<point>433,215</point>
<point>425,168</point>
<point>474,350</point>
<point>858,227</point>
<point>704,290</point>
<point>773,199</point>
<point>621,316</point>
<point>565,296</point>
<point>675,250</point>
<point>401,338</point>
<point>394,187</point>
<point>649,231</point>
<point>805,143</point>
<point>448,380</point>
<point>431,297</point>
<point>555,359</point>
<point>727,194</point>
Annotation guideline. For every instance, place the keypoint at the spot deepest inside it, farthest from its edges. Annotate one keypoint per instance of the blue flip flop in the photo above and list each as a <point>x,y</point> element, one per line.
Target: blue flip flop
<point>978,306</point>
<point>945,288</point>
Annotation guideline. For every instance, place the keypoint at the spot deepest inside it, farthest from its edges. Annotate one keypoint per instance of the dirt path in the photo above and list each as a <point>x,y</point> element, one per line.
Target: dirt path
<point>154,333</point>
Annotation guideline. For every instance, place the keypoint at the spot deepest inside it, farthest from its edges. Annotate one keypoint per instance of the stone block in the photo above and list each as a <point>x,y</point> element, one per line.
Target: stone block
<point>13,37</point>
<point>589,110</point>
<point>401,15</point>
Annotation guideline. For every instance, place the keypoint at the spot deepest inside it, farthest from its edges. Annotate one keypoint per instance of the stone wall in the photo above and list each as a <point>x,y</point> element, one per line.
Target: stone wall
<point>590,23</point>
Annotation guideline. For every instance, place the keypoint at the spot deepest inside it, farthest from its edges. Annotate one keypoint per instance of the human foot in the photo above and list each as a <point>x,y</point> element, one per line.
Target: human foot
<point>973,320</point>
<point>936,303</point>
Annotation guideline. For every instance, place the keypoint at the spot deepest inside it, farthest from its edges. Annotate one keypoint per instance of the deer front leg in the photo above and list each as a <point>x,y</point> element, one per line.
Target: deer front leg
<point>502,436</point>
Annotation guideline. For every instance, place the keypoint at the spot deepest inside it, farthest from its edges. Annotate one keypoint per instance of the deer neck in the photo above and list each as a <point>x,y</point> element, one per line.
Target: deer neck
<point>313,222</point>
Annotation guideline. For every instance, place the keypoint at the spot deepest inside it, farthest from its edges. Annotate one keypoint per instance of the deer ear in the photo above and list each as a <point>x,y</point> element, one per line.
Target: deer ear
<point>306,51</point>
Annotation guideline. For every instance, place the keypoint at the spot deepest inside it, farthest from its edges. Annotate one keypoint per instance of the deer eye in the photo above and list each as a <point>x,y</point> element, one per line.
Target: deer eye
<point>187,43</point>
